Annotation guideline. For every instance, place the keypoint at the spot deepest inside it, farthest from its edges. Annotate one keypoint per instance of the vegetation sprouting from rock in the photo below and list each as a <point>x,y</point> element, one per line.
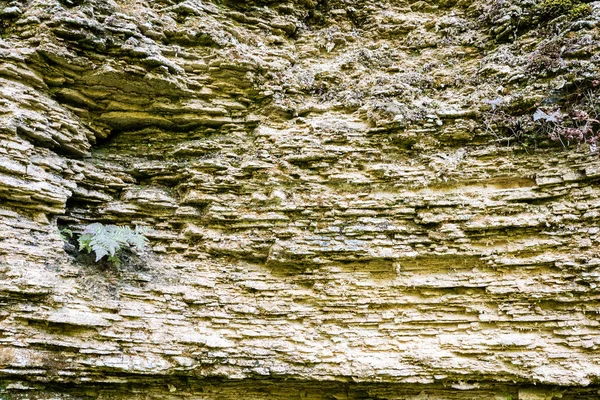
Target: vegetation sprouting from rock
<point>108,240</point>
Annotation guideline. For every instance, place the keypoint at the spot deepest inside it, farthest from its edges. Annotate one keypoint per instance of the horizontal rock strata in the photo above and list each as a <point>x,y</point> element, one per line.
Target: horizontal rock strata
<point>345,198</point>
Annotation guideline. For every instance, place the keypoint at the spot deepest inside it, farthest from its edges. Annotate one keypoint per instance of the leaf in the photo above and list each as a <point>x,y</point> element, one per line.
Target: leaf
<point>115,260</point>
<point>66,233</point>
<point>494,103</point>
<point>552,117</point>
<point>94,228</point>
<point>539,114</point>
<point>110,239</point>
<point>138,240</point>
<point>84,242</point>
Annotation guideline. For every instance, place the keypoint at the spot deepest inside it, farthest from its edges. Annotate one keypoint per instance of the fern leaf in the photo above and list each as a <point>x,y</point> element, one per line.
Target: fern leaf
<point>110,239</point>
<point>539,114</point>
<point>551,117</point>
<point>94,229</point>
<point>84,242</point>
<point>105,242</point>
<point>103,245</point>
<point>100,252</point>
<point>117,233</point>
<point>138,241</point>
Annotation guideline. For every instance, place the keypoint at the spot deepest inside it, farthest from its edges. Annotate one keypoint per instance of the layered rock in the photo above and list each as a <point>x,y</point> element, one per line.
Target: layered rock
<point>345,194</point>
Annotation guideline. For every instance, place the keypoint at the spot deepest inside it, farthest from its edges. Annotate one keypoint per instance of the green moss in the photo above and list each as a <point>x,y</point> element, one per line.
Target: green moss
<point>551,9</point>
<point>580,11</point>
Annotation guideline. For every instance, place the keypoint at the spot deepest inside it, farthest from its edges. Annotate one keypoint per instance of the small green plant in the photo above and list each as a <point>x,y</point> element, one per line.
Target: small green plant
<point>66,234</point>
<point>109,240</point>
<point>574,9</point>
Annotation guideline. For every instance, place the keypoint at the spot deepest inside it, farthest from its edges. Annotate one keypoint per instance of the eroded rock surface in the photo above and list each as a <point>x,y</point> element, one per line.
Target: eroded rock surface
<point>346,198</point>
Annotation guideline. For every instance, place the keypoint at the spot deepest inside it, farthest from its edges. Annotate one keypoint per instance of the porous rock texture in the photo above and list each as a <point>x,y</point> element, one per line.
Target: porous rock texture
<point>347,199</point>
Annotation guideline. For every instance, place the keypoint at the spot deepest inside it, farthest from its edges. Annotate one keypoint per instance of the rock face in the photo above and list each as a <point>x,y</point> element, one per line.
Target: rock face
<point>346,199</point>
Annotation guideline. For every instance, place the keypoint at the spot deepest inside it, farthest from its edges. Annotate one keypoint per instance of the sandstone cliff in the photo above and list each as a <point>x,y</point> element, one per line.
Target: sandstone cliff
<point>347,199</point>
